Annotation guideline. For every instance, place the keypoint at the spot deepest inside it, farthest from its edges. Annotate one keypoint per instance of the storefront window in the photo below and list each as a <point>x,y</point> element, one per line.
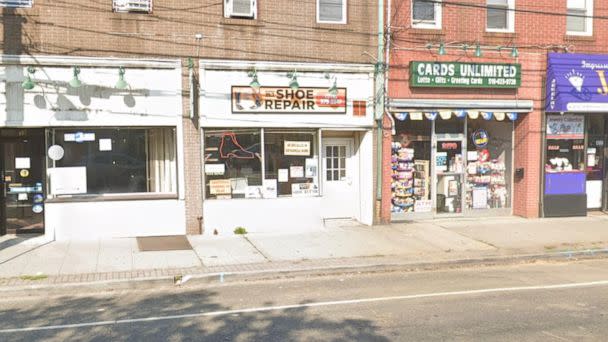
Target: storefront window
<point>233,162</point>
<point>235,159</point>
<point>112,160</point>
<point>489,164</point>
<point>410,162</point>
<point>565,143</point>
<point>291,153</point>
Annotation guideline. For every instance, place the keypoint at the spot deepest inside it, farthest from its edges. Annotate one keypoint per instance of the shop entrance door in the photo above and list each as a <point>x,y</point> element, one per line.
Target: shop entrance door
<point>339,175</point>
<point>21,181</point>
<point>449,173</point>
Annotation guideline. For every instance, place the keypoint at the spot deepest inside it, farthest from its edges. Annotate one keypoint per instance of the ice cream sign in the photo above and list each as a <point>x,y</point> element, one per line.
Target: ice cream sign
<point>577,83</point>
<point>277,100</point>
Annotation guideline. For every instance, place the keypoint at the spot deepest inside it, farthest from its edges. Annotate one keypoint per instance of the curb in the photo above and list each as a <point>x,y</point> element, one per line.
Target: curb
<point>220,278</point>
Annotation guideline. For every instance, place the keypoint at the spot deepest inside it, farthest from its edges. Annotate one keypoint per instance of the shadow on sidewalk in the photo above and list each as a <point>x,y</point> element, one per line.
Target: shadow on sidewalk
<point>9,241</point>
<point>272,325</point>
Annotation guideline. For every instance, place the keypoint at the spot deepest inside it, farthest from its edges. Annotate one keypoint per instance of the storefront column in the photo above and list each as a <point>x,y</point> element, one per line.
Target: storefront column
<point>387,139</point>
<point>528,142</point>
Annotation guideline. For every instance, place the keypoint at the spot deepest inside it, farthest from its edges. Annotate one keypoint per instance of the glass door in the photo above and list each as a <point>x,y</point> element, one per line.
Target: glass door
<point>21,180</point>
<point>449,175</point>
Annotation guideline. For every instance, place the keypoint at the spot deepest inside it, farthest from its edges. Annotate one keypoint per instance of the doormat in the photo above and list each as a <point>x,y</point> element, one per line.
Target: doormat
<point>163,243</point>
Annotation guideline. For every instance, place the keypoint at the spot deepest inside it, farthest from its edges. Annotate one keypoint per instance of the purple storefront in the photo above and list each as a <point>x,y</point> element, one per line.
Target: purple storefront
<point>575,147</point>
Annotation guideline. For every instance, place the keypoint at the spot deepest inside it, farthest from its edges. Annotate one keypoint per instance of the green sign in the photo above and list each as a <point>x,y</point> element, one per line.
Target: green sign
<point>464,75</point>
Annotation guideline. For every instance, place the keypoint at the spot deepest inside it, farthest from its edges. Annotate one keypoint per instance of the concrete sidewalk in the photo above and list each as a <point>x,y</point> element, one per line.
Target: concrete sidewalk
<point>23,259</point>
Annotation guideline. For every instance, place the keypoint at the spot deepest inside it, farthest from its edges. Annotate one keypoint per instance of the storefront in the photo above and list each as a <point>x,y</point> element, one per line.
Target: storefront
<point>90,147</point>
<point>286,147</point>
<point>453,157</point>
<point>576,133</point>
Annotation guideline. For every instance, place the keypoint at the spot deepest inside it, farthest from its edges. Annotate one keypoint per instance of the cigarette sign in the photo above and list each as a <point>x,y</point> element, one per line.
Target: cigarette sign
<point>269,100</point>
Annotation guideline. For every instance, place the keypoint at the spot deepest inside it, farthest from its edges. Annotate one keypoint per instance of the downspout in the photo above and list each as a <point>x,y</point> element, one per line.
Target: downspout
<point>379,105</point>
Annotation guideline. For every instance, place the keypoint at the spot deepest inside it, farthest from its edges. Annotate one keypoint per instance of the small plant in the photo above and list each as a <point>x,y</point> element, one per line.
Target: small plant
<point>34,277</point>
<point>240,231</point>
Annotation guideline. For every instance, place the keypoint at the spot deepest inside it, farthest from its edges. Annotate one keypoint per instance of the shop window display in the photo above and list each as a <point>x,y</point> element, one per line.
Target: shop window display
<point>292,153</point>
<point>410,161</point>
<point>236,164</point>
<point>112,160</point>
<point>489,160</point>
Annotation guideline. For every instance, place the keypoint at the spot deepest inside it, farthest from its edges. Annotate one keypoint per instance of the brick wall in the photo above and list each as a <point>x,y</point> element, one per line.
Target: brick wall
<point>535,35</point>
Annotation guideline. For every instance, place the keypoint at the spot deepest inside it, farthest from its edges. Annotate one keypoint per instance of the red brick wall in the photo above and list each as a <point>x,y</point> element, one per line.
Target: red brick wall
<point>535,35</point>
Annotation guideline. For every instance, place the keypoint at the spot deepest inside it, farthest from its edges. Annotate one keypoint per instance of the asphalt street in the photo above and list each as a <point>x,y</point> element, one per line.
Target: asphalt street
<point>532,302</point>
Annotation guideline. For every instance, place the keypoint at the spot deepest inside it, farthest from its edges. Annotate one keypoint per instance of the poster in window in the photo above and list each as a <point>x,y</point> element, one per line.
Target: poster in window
<point>480,198</point>
<point>423,206</point>
<point>269,188</point>
<point>453,188</point>
<point>565,127</point>
<point>22,163</point>
<point>442,161</point>
<point>311,167</point>
<point>304,189</point>
<point>296,148</point>
<point>283,175</point>
<point>105,145</point>
<point>215,169</point>
<point>220,187</point>
<point>296,171</point>
<point>254,191</point>
<point>68,180</point>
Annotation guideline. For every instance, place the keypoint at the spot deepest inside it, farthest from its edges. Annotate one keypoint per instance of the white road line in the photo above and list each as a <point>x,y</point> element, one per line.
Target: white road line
<point>307,305</point>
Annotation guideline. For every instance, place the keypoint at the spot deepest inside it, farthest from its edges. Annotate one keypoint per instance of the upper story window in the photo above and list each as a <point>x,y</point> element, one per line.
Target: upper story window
<point>426,14</point>
<point>245,9</point>
<point>331,11</point>
<point>500,16</point>
<point>16,3</point>
<point>144,6</point>
<point>579,20</point>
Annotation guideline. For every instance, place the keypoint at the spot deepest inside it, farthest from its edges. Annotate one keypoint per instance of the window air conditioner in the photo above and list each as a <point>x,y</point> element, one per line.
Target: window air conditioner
<point>240,9</point>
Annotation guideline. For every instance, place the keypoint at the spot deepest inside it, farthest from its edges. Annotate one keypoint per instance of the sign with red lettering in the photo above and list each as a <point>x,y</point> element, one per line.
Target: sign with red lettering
<point>273,100</point>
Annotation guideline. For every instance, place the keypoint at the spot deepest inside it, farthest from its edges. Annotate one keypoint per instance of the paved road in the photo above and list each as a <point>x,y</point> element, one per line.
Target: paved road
<point>538,302</point>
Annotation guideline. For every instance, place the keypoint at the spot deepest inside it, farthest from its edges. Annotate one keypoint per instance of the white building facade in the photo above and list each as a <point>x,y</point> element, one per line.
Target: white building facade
<point>91,147</point>
<point>285,146</point>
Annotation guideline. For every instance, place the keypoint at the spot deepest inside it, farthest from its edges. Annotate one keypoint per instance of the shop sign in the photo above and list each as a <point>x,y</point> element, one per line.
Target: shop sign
<point>220,187</point>
<point>304,189</point>
<point>577,83</point>
<point>464,75</point>
<point>296,148</point>
<point>423,206</point>
<point>277,100</point>
<point>565,127</point>
<point>480,138</point>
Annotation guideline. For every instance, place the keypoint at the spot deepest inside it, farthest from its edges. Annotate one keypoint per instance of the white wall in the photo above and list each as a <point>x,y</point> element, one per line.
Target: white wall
<point>154,97</point>
<point>111,219</point>
<point>263,215</point>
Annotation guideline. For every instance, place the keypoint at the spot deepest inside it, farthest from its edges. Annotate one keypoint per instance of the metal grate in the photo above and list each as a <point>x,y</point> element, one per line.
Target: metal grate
<point>16,3</point>
<point>144,6</point>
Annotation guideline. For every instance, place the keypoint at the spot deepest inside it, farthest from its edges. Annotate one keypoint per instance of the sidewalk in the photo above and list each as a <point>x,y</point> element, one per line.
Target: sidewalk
<point>34,261</point>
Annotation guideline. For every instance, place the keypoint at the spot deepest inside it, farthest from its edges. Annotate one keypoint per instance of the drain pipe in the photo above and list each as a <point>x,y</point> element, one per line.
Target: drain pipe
<point>379,106</point>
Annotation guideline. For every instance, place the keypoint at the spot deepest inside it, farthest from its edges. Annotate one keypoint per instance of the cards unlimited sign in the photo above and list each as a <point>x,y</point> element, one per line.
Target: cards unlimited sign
<point>269,100</point>
<point>464,75</point>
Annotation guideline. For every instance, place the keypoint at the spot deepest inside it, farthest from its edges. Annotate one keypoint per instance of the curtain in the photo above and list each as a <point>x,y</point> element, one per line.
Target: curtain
<point>162,169</point>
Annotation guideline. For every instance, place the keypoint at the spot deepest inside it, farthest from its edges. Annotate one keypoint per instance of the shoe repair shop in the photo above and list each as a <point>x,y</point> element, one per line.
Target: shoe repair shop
<point>90,147</point>
<point>285,147</point>
<point>450,156</point>
<point>575,172</point>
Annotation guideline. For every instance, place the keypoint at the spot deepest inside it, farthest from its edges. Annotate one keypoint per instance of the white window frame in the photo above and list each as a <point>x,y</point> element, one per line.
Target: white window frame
<point>588,21</point>
<point>510,19</point>
<point>228,10</point>
<point>344,13</point>
<point>17,3</point>
<point>436,24</point>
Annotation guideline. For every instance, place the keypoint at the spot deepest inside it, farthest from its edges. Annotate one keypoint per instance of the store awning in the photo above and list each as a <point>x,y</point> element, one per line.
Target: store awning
<point>517,106</point>
<point>499,110</point>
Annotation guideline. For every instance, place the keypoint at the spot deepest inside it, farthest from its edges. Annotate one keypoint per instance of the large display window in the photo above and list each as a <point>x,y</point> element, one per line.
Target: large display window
<point>464,160</point>
<point>99,161</point>
<point>260,163</point>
